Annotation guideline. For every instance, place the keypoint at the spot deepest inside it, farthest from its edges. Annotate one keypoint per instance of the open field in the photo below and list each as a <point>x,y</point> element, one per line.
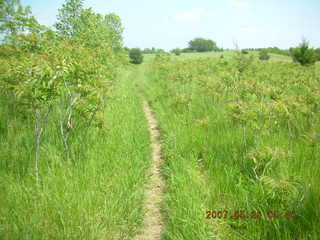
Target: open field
<point>239,139</point>
<point>96,143</point>
<point>241,144</point>
<point>148,58</point>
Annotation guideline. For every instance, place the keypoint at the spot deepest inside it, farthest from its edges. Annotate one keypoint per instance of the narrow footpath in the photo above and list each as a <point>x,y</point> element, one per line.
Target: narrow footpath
<point>152,226</point>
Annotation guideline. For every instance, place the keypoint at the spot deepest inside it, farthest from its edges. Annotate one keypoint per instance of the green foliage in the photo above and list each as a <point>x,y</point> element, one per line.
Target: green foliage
<point>243,51</point>
<point>68,18</point>
<point>317,54</point>
<point>70,72</point>
<point>264,127</point>
<point>243,61</point>
<point>303,54</point>
<point>136,56</point>
<point>264,55</point>
<point>16,20</point>
<point>58,109</point>
<point>275,50</point>
<point>176,51</point>
<point>202,45</point>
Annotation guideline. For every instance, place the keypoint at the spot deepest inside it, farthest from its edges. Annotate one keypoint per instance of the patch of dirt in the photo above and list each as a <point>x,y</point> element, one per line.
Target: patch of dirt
<point>153,222</point>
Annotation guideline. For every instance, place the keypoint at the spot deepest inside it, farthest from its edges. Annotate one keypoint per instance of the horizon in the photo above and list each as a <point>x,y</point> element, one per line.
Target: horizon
<point>246,23</point>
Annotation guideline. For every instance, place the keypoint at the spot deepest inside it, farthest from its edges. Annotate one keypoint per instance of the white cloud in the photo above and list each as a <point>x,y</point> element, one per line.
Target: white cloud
<point>240,4</point>
<point>195,14</point>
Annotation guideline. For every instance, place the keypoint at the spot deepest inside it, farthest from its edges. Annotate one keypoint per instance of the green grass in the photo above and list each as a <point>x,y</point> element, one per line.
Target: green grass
<point>148,58</point>
<point>209,158</point>
<point>97,196</point>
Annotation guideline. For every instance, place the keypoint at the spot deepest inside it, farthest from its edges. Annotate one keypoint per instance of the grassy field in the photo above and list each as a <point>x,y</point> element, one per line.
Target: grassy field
<point>148,58</point>
<point>240,142</point>
<point>96,196</point>
<point>241,146</point>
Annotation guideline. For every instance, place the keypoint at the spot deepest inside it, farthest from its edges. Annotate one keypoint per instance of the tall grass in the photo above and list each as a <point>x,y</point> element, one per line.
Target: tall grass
<point>253,160</point>
<point>98,195</point>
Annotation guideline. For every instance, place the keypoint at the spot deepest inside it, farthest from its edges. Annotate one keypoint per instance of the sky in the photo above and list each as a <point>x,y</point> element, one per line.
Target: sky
<point>168,24</point>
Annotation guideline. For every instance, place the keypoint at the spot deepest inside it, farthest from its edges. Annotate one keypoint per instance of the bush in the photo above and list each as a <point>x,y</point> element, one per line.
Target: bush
<point>317,54</point>
<point>176,51</point>
<point>264,55</point>
<point>243,51</point>
<point>303,54</point>
<point>136,56</point>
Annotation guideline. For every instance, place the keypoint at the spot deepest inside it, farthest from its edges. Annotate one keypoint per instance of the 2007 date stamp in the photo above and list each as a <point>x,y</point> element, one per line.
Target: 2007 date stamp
<point>243,214</point>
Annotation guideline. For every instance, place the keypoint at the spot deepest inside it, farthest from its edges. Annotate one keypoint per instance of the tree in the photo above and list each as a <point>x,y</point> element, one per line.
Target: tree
<point>92,29</point>
<point>264,55</point>
<point>68,18</point>
<point>303,54</point>
<point>176,51</point>
<point>136,56</point>
<point>115,28</point>
<point>317,54</point>
<point>202,45</point>
<point>244,51</point>
<point>16,19</point>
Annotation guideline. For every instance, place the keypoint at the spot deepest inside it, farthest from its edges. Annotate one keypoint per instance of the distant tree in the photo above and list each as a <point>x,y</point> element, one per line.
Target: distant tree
<point>264,55</point>
<point>160,51</point>
<point>136,56</point>
<point>176,51</point>
<point>317,54</point>
<point>244,51</point>
<point>202,45</point>
<point>303,54</point>
<point>127,49</point>
<point>147,51</point>
<point>187,50</point>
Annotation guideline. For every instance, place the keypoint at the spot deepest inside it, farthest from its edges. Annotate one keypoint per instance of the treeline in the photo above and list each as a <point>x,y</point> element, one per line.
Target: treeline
<point>285,52</point>
<point>60,75</point>
<point>275,50</point>
<point>195,45</point>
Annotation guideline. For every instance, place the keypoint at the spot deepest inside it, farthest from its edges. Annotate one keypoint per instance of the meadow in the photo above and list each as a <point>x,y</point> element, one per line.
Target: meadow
<point>148,58</point>
<point>241,142</point>
<point>213,145</point>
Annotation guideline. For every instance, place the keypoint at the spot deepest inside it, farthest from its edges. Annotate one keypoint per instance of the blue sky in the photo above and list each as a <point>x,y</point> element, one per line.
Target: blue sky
<point>172,23</point>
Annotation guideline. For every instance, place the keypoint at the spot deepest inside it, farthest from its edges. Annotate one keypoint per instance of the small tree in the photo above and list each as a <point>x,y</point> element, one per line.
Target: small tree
<point>317,54</point>
<point>136,56</point>
<point>303,54</point>
<point>176,51</point>
<point>264,55</point>
<point>244,51</point>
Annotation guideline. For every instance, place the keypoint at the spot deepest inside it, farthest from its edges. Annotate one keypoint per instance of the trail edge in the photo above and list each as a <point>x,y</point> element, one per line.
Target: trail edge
<point>153,221</point>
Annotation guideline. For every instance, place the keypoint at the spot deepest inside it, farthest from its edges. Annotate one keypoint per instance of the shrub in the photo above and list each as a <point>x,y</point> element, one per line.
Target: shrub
<point>303,54</point>
<point>243,51</point>
<point>176,51</point>
<point>136,56</point>
<point>264,55</point>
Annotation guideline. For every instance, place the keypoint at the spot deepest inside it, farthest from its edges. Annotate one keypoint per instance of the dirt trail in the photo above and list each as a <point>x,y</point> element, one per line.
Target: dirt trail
<point>153,222</point>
